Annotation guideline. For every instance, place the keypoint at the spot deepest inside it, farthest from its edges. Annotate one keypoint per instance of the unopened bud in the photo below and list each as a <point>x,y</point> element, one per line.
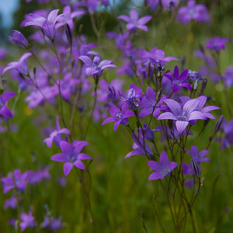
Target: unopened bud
<point>34,70</point>
<point>2,83</point>
<point>68,33</point>
<point>201,48</point>
<point>142,215</point>
<point>148,69</point>
<point>219,123</point>
<point>203,85</point>
<point>159,94</point>
<point>183,60</point>
<point>133,65</point>
<point>195,167</point>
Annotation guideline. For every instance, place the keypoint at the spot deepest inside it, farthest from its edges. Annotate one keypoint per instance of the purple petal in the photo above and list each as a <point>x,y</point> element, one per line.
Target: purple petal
<point>205,160</point>
<point>150,95</point>
<point>59,158</point>
<point>144,20</point>
<point>173,165</point>
<point>163,158</point>
<point>183,76</point>
<point>175,88</point>
<point>167,59</point>
<point>82,156</point>
<point>67,168</point>
<point>49,29</point>
<point>145,112</point>
<point>167,115</point>
<point>133,15</point>
<point>114,110</point>
<point>86,60</point>
<point>79,164</point>
<point>190,106</point>
<point>197,115</point>
<point>6,96</point>
<point>65,147</point>
<point>154,165</point>
<point>124,17</point>
<point>66,131</point>
<point>174,107</point>
<point>48,141</point>
<point>156,112</point>
<point>116,125</point>
<point>187,85</point>
<point>185,99</point>
<point>90,71</point>
<point>209,108</point>
<point>128,113</point>
<point>104,63</point>
<point>52,15</point>
<point>181,125</point>
<point>108,66</point>
<point>204,153</point>
<point>176,73</point>
<point>5,111</point>
<point>137,151</point>
<point>110,119</point>
<point>155,176</point>
<point>169,77</point>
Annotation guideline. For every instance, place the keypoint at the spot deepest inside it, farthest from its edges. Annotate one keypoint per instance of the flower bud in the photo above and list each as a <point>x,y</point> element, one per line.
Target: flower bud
<point>203,85</point>
<point>159,94</point>
<point>195,167</point>
<point>133,65</point>
<point>69,33</point>
<point>219,123</point>
<point>19,39</point>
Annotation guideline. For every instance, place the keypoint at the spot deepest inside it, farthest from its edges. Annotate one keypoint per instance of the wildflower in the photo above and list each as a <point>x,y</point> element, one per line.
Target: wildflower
<point>195,77</point>
<point>4,110</point>
<point>216,44</point>
<point>27,220</point>
<point>182,116</point>
<point>52,223</point>
<point>19,39</point>
<point>161,169</point>
<point>133,22</point>
<point>11,203</point>
<point>178,80</point>
<point>20,65</point>
<point>118,116</point>
<point>95,67</point>
<point>198,157</point>
<point>169,4</point>
<point>228,76</point>
<point>195,167</point>
<point>153,3</point>
<point>71,155</point>
<point>147,132</point>
<point>150,104</point>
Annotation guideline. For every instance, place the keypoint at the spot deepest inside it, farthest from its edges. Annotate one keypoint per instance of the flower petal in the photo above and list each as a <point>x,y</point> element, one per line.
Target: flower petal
<point>59,158</point>
<point>79,164</point>
<point>181,125</point>
<point>67,168</point>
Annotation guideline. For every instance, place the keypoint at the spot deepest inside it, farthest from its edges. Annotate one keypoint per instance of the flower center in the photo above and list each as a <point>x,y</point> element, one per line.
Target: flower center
<point>182,117</point>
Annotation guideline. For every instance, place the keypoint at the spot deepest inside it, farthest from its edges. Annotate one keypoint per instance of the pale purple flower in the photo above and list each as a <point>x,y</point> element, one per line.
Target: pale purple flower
<point>11,203</point>
<point>147,132</point>
<point>4,110</point>
<point>228,76</point>
<point>67,16</point>
<point>195,77</point>
<point>169,4</point>
<point>133,22</point>
<point>157,56</point>
<point>118,116</point>
<point>161,169</point>
<point>3,53</point>
<point>52,223</point>
<point>34,177</point>
<point>71,155</point>
<point>20,181</point>
<point>56,135</point>
<point>150,104</point>
<point>47,25</point>
<point>27,220</point>
<point>198,157</point>
<point>192,11</point>
<point>153,3</point>
<point>19,39</point>
<point>95,67</point>
<point>182,116</point>
<point>20,65</point>
<point>217,43</point>
<point>179,80</point>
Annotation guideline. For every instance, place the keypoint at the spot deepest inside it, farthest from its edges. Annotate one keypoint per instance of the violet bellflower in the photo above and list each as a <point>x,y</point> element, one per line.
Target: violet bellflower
<point>216,44</point>
<point>133,22</point>
<point>71,155</point>
<point>182,116</point>
<point>163,168</point>
<point>47,25</point>
<point>228,76</point>
<point>169,4</point>
<point>179,80</point>
<point>157,56</point>
<point>11,203</point>
<point>52,223</point>
<point>27,220</point>
<point>118,116</point>
<point>95,67</point>
<point>152,3</point>
<point>56,135</point>
<point>19,39</point>
<point>4,110</point>
<point>20,65</point>
<point>151,105</point>
<point>147,132</point>
<point>194,77</point>
<point>192,11</point>
<point>20,181</point>
<point>198,157</point>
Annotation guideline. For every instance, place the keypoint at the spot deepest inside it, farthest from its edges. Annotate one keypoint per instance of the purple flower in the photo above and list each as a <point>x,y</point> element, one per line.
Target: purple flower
<point>150,104</point>
<point>182,116</point>
<point>118,116</point>
<point>195,77</point>
<point>95,67</point>
<point>11,203</point>
<point>169,4</point>
<point>161,169</point>
<point>153,3</point>
<point>56,136</point>
<point>198,157</point>
<point>27,220</point>
<point>4,110</point>
<point>217,43</point>
<point>228,76</point>
<point>133,22</point>
<point>52,223</point>
<point>157,56</point>
<point>19,39</point>
<point>47,25</point>
<point>71,155</point>
<point>21,65</point>
<point>20,181</point>
<point>178,80</point>
<point>67,17</point>
<point>192,11</point>
<point>3,53</point>
<point>120,40</point>
<point>138,148</point>
<point>148,133</point>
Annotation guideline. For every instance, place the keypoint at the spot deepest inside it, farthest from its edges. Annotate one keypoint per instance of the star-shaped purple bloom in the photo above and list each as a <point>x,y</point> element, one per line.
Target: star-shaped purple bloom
<point>71,155</point>
<point>56,136</point>
<point>161,169</point>
<point>47,25</point>
<point>133,22</point>
<point>157,56</point>
<point>118,116</point>
<point>198,157</point>
<point>178,80</point>
<point>20,181</point>
<point>19,39</point>
<point>11,203</point>
<point>4,110</point>
<point>21,65</point>
<point>151,103</point>
<point>148,133</point>
<point>95,67</point>
<point>27,220</point>
<point>217,43</point>
<point>182,116</point>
